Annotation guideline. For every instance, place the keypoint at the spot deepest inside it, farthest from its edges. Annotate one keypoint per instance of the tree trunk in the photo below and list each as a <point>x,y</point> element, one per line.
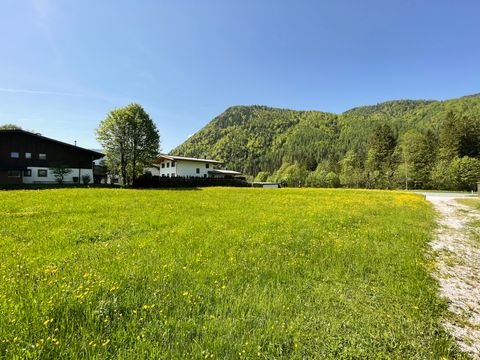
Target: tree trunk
<point>123,168</point>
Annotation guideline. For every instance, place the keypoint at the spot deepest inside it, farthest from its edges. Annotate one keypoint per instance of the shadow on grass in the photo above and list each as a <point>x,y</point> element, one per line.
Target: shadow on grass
<point>7,187</point>
<point>185,188</point>
<point>13,187</point>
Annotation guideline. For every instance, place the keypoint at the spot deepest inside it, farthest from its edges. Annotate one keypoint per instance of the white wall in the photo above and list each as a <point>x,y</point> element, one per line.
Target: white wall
<point>168,171</point>
<point>189,168</point>
<point>51,178</point>
<point>185,168</point>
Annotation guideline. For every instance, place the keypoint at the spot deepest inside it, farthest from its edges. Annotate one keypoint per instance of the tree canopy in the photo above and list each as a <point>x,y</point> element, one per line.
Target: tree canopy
<point>130,140</point>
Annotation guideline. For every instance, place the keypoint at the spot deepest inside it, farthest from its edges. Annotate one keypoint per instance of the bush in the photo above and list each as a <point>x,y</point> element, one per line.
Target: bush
<point>86,179</point>
<point>262,176</point>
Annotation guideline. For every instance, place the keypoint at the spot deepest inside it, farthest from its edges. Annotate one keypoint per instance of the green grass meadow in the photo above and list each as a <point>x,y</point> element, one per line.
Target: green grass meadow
<point>218,273</point>
<point>474,225</point>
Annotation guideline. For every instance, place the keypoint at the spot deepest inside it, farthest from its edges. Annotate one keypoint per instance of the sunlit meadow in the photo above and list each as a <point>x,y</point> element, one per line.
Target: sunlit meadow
<point>217,273</point>
<point>474,225</point>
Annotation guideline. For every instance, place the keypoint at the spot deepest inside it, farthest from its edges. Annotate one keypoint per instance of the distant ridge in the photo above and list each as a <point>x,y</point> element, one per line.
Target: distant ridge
<point>472,96</point>
<point>258,138</point>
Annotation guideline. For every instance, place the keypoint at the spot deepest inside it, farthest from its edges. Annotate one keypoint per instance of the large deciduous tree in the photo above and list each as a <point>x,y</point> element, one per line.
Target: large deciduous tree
<point>130,140</point>
<point>350,170</point>
<point>417,152</point>
<point>379,164</point>
<point>459,137</point>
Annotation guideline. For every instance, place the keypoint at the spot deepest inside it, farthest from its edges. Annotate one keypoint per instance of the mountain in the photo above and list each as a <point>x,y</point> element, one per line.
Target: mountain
<point>259,139</point>
<point>254,138</point>
<point>472,95</point>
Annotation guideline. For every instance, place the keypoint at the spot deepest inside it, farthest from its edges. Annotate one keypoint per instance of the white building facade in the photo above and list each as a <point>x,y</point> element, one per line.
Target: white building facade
<point>180,166</point>
<point>36,175</point>
<point>173,166</point>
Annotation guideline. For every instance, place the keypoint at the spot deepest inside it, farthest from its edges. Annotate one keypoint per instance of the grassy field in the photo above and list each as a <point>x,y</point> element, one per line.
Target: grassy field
<point>473,202</point>
<point>217,273</point>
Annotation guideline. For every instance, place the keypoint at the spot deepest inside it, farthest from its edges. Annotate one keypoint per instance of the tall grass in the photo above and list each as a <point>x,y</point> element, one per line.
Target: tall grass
<point>217,273</point>
<point>473,225</point>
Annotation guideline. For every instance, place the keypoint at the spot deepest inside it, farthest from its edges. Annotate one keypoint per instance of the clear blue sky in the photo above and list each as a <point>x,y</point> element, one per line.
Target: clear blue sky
<point>65,64</point>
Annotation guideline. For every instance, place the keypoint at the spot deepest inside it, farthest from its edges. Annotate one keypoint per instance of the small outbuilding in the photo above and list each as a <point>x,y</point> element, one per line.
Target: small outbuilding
<point>266,185</point>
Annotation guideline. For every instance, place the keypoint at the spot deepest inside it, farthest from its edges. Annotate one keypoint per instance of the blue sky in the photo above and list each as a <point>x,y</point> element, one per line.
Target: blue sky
<point>65,64</point>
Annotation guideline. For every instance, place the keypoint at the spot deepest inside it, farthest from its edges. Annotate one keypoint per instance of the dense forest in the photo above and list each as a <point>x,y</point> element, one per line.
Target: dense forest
<point>396,144</point>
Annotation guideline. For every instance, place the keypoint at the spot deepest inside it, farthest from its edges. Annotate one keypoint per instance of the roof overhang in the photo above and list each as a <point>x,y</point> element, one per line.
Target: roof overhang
<point>95,154</point>
<point>183,158</point>
<point>224,172</point>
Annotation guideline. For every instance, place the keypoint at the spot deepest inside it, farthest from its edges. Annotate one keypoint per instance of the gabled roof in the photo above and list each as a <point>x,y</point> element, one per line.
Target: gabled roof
<point>20,131</point>
<point>224,172</point>
<point>179,158</point>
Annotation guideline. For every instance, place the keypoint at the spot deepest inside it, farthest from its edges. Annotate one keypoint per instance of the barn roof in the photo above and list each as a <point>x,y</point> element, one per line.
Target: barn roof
<point>28,133</point>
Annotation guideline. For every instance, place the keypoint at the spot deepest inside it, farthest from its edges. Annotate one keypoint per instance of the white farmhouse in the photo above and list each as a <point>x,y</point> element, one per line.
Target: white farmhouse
<point>175,166</point>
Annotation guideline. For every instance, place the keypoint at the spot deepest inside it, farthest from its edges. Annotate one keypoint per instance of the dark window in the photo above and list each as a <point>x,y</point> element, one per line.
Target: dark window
<point>42,173</point>
<point>14,173</point>
<point>204,175</point>
<point>28,155</point>
<point>198,170</point>
<point>173,174</point>
<point>168,164</point>
<point>207,165</point>
<point>27,172</point>
<point>163,165</point>
<point>173,163</point>
<point>14,155</point>
<point>42,157</point>
<point>75,179</point>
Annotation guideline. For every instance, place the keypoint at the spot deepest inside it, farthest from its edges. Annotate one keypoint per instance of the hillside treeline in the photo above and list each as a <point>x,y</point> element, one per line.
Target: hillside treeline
<point>396,144</point>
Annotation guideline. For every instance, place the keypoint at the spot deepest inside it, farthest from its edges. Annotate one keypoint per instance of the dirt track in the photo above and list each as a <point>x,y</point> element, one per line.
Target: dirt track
<point>458,269</point>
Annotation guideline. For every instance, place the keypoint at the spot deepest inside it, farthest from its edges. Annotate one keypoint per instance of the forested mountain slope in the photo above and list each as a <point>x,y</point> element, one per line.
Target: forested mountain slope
<point>417,142</point>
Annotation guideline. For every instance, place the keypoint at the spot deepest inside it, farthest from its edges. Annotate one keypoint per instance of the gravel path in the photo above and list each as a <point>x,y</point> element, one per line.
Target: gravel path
<point>458,269</point>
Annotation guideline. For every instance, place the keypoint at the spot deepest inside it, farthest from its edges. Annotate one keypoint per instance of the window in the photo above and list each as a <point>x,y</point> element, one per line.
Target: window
<point>173,174</point>
<point>204,175</point>
<point>168,164</point>
<point>42,156</point>
<point>27,172</point>
<point>28,155</point>
<point>198,170</point>
<point>173,163</point>
<point>14,174</point>
<point>163,165</point>
<point>14,155</point>
<point>75,179</point>
<point>42,173</point>
<point>207,165</point>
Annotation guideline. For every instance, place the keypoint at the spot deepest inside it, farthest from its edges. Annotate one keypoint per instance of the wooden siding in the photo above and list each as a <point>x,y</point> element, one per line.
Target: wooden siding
<point>57,153</point>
